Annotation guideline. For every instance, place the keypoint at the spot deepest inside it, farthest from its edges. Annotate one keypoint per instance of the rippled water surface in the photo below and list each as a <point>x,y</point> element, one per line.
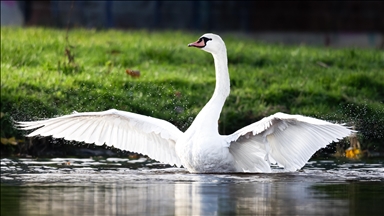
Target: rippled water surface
<point>116,186</point>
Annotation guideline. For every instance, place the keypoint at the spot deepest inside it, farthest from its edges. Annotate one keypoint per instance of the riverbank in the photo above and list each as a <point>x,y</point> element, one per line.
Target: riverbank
<point>47,72</point>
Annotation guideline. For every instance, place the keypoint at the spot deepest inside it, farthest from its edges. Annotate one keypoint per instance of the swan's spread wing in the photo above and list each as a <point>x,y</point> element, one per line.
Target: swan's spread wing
<point>124,130</point>
<point>290,140</point>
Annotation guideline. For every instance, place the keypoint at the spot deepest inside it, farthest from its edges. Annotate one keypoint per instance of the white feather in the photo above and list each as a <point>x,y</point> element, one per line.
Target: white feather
<point>289,140</point>
<point>113,128</point>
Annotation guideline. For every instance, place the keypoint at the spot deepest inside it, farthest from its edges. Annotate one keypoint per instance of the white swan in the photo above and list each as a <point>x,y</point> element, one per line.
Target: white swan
<point>289,140</point>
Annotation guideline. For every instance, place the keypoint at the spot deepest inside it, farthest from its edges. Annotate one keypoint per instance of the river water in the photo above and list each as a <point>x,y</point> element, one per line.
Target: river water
<point>117,186</point>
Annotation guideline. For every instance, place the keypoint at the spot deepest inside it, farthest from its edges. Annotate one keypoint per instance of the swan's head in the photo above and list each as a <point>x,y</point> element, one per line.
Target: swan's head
<point>209,42</point>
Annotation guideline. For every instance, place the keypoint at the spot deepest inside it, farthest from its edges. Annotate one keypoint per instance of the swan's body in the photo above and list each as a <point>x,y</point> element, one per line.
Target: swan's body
<point>289,140</point>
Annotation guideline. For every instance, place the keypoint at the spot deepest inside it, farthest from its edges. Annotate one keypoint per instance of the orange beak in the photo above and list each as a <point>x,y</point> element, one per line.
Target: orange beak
<point>199,44</point>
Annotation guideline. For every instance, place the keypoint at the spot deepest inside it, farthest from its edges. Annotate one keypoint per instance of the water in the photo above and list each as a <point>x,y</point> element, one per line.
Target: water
<point>116,186</point>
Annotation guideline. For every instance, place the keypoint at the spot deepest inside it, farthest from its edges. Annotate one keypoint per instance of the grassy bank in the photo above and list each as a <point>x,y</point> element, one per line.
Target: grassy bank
<point>40,79</point>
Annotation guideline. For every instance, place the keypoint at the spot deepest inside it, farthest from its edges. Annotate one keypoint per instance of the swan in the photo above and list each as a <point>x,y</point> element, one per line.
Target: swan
<point>288,140</point>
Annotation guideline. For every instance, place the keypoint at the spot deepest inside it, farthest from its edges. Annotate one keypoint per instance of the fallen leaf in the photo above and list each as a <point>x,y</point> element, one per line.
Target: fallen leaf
<point>115,51</point>
<point>133,73</point>
<point>178,94</point>
<point>322,64</point>
<point>4,141</point>
<point>12,141</point>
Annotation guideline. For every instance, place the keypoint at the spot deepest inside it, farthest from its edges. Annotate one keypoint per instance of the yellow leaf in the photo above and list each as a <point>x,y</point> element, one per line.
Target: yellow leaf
<point>12,141</point>
<point>2,114</point>
<point>356,151</point>
<point>4,141</point>
<point>353,153</point>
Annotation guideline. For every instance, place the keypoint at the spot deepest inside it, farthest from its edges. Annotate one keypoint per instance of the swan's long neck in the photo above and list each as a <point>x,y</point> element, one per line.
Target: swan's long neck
<point>222,88</point>
<point>207,119</point>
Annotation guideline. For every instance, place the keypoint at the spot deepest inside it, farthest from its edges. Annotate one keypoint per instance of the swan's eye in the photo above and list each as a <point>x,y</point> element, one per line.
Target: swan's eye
<point>205,39</point>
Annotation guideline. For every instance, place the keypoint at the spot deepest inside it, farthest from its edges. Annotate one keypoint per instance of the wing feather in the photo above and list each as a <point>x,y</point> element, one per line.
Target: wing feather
<point>124,130</point>
<point>290,140</point>
<point>90,133</point>
<point>58,127</point>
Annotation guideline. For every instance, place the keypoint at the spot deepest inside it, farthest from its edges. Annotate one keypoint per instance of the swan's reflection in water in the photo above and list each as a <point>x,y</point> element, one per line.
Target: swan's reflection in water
<point>188,198</point>
<point>31,187</point>
<point>254,199</point>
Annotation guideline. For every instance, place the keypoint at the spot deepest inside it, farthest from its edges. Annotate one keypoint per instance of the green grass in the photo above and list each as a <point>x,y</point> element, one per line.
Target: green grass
<point>343,85</point>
